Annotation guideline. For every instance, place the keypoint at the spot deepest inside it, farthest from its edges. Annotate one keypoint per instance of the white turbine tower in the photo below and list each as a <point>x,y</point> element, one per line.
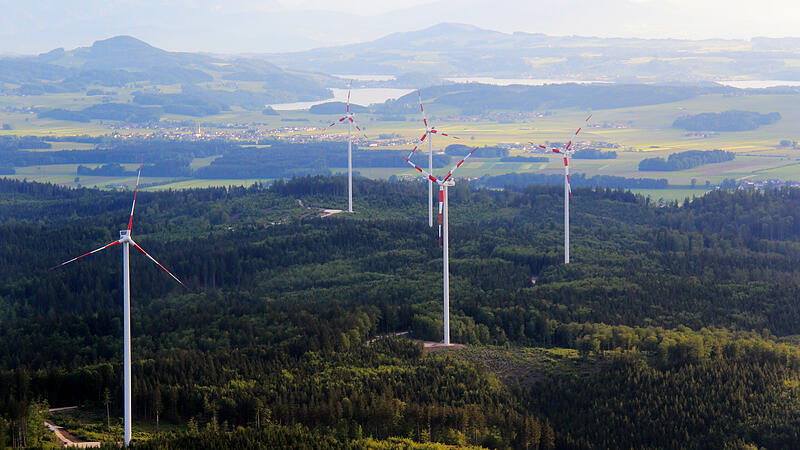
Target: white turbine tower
<point>430,130</point>
<point>126,241</point>
<point>566,151</point>
<point>348,116</point>
<point>444,224</point>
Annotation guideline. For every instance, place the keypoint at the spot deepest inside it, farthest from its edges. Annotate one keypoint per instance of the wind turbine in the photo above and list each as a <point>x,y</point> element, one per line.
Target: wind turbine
<point>348,116</point>
<point>430,130</point>
<point>444,223</point>
<point>126,241</point>
<point>566,151</point>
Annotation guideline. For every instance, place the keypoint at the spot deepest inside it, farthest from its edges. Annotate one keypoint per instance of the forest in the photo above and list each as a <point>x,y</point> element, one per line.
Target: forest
<point>474,98</point>
<point>675,326</point>
<point>726,121</point>
<point>685,160</point>
<point>594,153</point>
<point>576,180</point>
<point>165,158</point>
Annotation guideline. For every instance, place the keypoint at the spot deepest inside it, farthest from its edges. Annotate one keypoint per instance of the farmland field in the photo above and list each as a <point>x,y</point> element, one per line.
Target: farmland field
<point>638,133</point>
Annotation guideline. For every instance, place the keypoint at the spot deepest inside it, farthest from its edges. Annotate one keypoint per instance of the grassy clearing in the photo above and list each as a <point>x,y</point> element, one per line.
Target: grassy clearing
<point>526,365</point>
<point>92,425</point>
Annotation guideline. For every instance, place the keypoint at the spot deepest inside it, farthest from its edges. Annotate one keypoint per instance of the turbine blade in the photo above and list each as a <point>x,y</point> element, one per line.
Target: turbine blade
<point>441,205</point>
<point>130,222</point>
<point>349,88</point>
<point>427,175</point>
<point>422,139</point>
<point>449,174</point>
<point>569,187</point>
<point>359,128</point>
<point>421,109</point>
<point>85,254</point>
<point>546,148</point>
<point>137,247</point>
<point>338,121</point>
<point>566,175</point>
<point>444,134</point>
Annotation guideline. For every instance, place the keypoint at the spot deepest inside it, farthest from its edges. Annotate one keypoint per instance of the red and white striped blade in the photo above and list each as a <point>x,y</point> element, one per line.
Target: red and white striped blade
<point>441,205</point>
<point>427,175</point>
<point>421,109</point>
<point>86,254</point>
<point>421,140</point>
<point>566,175</point>
<point>137,247</point>
<point>575,136</point>
<point>338,121</point>
<point>546,148</point>
<point>435,131</point>
<point>349,88</point>
<point>569,187</point>
<point>359,128</point>
<point>130,221</point>
<point>449,174</point>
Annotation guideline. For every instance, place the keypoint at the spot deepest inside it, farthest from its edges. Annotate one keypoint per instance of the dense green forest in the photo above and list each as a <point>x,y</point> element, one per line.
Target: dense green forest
<point>685,160</point>
<point>726,121</point>
<point>169,158</point>
<point>594,153</point>
<point>575,179</point>
<point>675,326</point>
<point>474,98</point>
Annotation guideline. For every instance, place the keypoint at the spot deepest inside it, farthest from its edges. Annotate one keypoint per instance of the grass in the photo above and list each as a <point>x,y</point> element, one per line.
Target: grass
<point>92,425</point>
<point>525,365</point>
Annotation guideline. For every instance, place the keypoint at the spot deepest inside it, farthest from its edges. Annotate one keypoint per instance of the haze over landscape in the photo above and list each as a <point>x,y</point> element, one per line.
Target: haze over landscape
<point>400,225</point>
<point>247,26</point>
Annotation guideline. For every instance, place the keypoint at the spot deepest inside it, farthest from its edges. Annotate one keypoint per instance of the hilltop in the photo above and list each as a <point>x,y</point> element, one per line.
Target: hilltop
<point>126,61</point>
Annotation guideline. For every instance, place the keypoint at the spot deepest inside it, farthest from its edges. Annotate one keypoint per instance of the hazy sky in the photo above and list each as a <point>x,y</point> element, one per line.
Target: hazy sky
<point>234,26</point>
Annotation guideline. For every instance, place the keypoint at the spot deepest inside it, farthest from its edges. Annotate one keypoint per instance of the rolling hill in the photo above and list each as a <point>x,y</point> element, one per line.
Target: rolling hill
<point>449,49</point>
<point>126,61</point>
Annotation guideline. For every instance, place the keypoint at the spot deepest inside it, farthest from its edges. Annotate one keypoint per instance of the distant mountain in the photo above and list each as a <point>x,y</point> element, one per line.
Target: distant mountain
<point>127,61</point>
<point>463,50</point>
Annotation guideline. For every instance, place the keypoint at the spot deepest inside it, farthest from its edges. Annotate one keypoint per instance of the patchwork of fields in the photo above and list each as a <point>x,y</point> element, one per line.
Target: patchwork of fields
<point>638,133</point>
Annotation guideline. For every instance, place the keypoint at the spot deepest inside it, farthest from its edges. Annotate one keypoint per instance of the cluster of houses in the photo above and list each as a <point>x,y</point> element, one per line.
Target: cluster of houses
<point>758,185</point>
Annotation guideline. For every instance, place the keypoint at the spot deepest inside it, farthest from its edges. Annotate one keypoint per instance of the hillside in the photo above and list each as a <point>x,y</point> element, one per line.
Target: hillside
<point>646,340</point>
<point>449,49</point>
<point>126,61</point>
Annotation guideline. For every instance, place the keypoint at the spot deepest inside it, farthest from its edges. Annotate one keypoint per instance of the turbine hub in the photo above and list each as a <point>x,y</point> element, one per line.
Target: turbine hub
<point>125,235</point>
